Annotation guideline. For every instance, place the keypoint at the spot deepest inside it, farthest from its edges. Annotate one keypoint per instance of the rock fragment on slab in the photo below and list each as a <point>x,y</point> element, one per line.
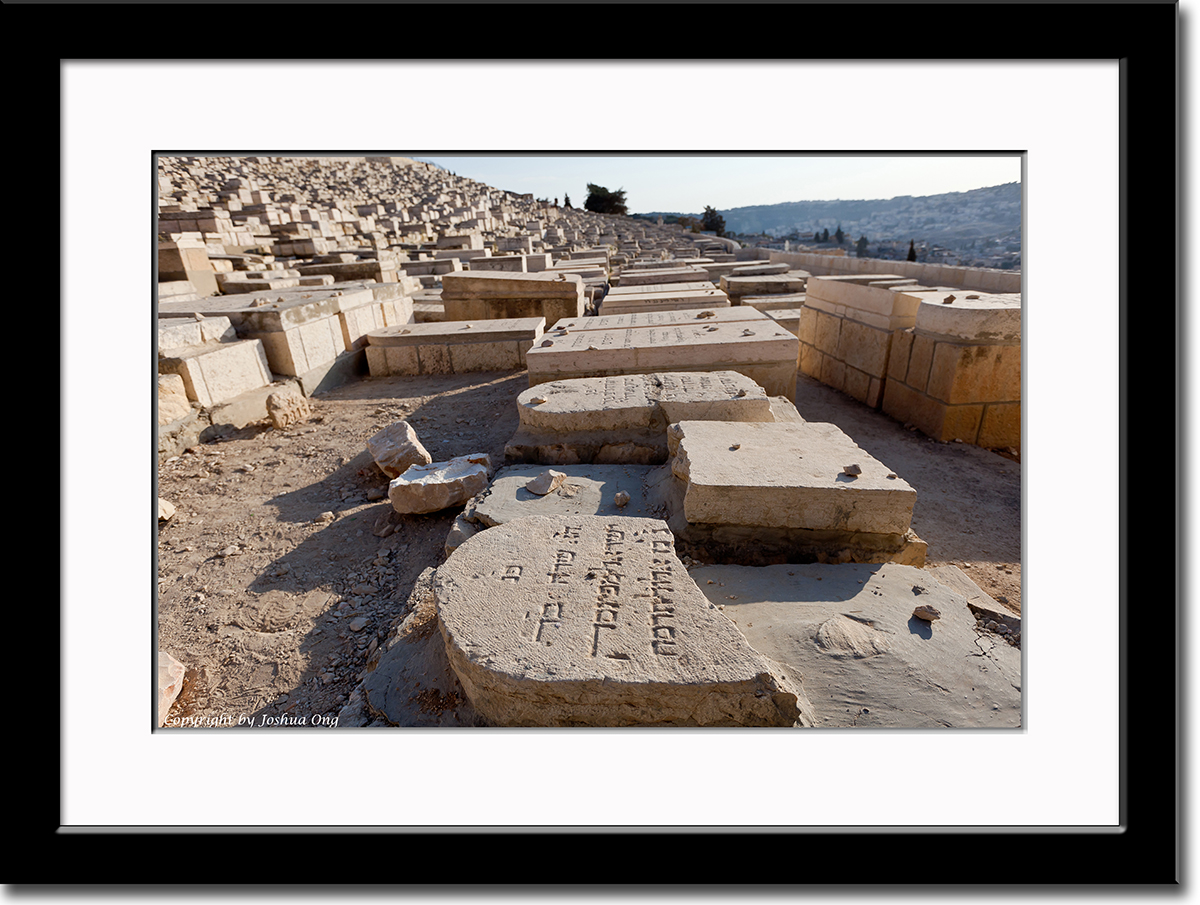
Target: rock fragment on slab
<point>397,448</point>
<point>546,482</point>
<point>440,485</point>
<point>593,621</point>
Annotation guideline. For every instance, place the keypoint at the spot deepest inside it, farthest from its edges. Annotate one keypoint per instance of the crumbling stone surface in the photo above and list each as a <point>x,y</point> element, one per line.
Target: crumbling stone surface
<point>288,406</point>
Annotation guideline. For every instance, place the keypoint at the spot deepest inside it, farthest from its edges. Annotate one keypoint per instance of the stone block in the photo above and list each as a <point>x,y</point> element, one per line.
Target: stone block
<point>452,347</point>
<point>762,351</point>
<point>1001,426</point>
<point>962,373</point>
<point>902,341</point>
<point>865,348</point>
<point>216,372</point>
<point>287,406</point>
<point>827,333</point>
<point>786,475</point>
<point>971,316</point>
<point>396,448</point>
<point>920,361</point>
<point>593,621</point>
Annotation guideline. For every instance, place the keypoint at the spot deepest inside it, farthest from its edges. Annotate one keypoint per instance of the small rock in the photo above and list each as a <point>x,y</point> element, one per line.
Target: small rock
<point>547,342</point>
<point>358,623</point>
<point>852,470</point>
<point>231,550</point>
<point>947,300</point>
<point>928,613</point>
<point>537,400</point>
<point>621,499</point>
<point>546,482</point>
<point>325,517</point>
<point>288,406</point>
<point>165,510</point>
<point>374,494</point>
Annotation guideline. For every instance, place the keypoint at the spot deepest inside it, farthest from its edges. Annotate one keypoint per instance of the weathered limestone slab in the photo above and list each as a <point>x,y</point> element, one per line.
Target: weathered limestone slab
<point>478,296</point>
<point>217,372</point>
<point>662,275</point>
<point>762,351</point>
<point>585,490</point>
<point>764,284</point>
<point>786,475</point>
<point>440,485</point>
<point>625,418</point>
<point>658,297</point>
<point>173,403</point>
<point>866,661</point>
<point>704,317</point>
<point>177,332</point>
<point>971,316</point>
<point>452,347</point>
<point>593,621</point>
<point>397,448</point>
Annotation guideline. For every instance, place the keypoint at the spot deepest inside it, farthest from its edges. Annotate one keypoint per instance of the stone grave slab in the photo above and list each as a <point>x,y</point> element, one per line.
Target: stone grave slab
<point>867,662</point>
<point>663,275</point>
<point>593,621</point>
<point>624,418</point>
<point>763,351</point>
<point>703,317</point>
<point>217,372</point>
<point>586,490</point>
<point>482,295</point>
<point>452,347</point>
<point>769,492</point>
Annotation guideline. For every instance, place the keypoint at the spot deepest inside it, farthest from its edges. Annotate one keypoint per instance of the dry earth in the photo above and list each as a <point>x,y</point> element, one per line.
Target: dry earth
<point>284,567</point>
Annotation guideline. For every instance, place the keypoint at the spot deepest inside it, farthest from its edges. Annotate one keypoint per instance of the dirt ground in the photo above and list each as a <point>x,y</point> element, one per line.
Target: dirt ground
<point>284,567</point>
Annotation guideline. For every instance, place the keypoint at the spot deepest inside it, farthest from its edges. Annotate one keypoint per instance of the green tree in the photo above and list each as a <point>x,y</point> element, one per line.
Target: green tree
<point>566,200</point>
<point>712,221</point>
<point>601,201</point>
<point>817,236</point>
<point>839,235</point>
<point>912,250</point>
<point>860,247</point>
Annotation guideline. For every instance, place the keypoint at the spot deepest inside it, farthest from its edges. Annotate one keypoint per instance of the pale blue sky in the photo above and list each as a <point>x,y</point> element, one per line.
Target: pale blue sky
<point>686,184</point>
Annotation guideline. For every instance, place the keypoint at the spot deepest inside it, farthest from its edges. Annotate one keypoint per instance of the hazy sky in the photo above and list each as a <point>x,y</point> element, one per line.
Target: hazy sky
<point>687,184</point>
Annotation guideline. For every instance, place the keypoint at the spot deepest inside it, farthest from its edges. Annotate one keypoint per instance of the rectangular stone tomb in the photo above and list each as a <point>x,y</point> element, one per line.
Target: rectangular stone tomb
<point>664,301</point>
<point>452,347</point>
<point>762,351</point>
<point>956,374</point>
<point>764,284</point>
<point>593,621</point>
<point>663,275</point>
<point>624,418</point>
<point>804,492</point>
<point>299,333</point>
<point>642,319</point>
<point>471,295</point>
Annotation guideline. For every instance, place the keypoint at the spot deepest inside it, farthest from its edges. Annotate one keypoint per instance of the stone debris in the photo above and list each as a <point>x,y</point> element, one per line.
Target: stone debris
<point>621,499</point>
<point>546,482</point>
<point>928,613</point>
<point>440,485</point>
<point>854,470</point>
<point>166,510</point>
<point>397,448</point>
<point>170,683</point>
<point>288,406</point>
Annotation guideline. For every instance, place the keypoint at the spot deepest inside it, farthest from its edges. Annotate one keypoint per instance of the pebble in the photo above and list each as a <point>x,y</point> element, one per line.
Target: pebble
<point>358,623</point>
<point>852,470</point>
<point>621,498</point>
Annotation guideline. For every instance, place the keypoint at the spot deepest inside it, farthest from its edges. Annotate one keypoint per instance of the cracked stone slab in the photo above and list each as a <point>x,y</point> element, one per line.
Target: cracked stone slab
<point>585,490</point>
<point>866,661</point>
<point>593,621</point>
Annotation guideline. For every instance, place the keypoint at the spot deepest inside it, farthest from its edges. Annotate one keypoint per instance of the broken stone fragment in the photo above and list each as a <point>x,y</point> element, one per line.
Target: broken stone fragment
<point>547,482</point>
<point>287,406</point>
<point>440,485</point>
<point>621,499</point>
<point>926,612</point>
<point>947,300</point>
<point>852,470</point>
<point>396,449</point>
<point>170,683</point>
<point>165,510</point>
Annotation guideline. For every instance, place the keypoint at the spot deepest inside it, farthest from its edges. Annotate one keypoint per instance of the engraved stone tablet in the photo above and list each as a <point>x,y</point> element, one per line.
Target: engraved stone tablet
<point>593,621</point>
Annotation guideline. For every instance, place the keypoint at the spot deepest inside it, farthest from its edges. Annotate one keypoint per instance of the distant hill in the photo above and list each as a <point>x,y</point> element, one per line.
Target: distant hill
<point>949,218</point>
